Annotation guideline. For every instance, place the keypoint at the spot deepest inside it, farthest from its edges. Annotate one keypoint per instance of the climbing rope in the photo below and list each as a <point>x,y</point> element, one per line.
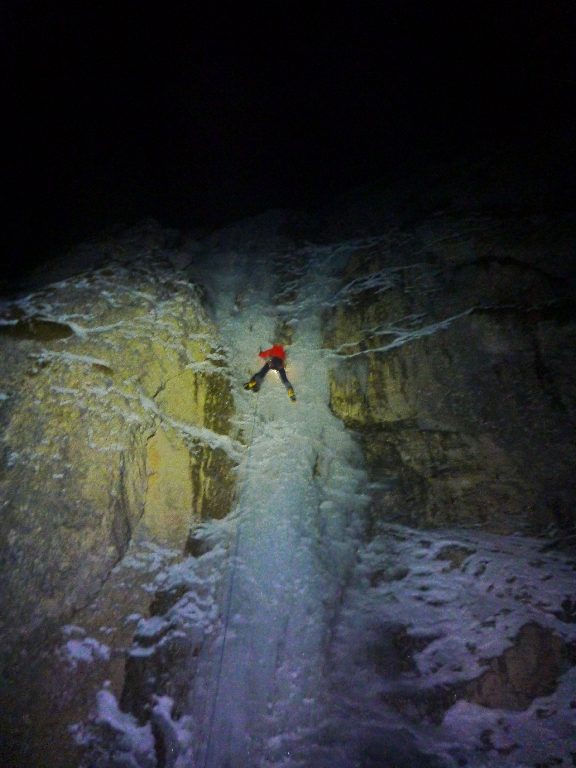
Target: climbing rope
<point>228,601</point>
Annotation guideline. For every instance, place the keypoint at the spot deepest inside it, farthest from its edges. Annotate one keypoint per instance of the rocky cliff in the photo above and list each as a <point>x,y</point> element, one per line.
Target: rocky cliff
<point>457,347</point>
<point>115,410</point>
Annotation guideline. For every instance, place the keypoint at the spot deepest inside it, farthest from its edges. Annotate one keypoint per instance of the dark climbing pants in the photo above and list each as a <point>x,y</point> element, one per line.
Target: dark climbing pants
<point>273,365</point>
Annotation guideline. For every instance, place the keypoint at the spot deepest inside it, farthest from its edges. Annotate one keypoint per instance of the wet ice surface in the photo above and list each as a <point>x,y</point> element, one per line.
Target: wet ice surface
<point>300,615</point>
<point>265,676</point>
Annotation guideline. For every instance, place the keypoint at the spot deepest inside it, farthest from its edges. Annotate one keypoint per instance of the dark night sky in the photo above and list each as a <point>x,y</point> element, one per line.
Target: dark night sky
<point>197,117</point>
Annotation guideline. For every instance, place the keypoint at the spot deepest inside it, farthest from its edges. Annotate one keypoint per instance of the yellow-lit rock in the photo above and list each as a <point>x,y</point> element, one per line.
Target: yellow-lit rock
<point>117,420</point>
<point>168,511</point>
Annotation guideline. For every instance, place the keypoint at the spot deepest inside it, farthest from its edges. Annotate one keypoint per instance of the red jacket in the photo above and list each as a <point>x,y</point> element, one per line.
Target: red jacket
<point>275,351</point>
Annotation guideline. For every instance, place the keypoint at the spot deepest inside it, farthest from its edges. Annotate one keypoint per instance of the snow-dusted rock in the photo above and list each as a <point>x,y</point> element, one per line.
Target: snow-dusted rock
<point>116,413</point>
<point>458,360</point>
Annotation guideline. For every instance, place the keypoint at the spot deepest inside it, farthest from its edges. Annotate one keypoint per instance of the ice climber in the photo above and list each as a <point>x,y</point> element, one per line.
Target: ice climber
<point>276,358</point>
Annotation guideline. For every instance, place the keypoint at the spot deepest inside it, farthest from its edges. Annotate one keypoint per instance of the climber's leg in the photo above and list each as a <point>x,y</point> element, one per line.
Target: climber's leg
<point>256,381</point>
<point>287,384</point>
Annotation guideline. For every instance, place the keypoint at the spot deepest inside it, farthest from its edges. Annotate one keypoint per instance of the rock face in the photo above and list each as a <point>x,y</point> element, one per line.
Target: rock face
<point>457,352</point>
<point>524,672</point>
<point>115,409</point>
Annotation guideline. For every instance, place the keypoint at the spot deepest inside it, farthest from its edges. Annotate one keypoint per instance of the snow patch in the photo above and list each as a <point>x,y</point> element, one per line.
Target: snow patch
<point>87,649</point>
